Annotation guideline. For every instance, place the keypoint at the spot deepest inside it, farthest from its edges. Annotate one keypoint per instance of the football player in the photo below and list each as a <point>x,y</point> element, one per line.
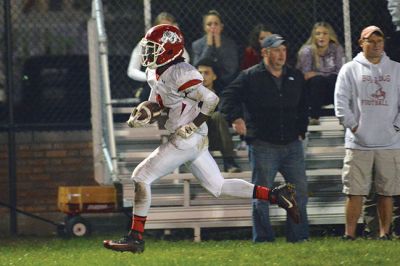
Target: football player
<point>177,87</point>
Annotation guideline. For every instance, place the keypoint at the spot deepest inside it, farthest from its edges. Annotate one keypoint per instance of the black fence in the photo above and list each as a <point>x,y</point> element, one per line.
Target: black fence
<point>49,52</point>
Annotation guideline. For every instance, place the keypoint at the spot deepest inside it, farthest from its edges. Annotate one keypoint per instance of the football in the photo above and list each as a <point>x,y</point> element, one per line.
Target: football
<point>149,111</point>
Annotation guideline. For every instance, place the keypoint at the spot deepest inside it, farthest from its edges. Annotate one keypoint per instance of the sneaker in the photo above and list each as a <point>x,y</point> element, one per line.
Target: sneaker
<point>385,237</point>
<point>230,166</point>
<point>284,196</point>
<point>314,122</point>
<point>126,243</point>
<point>348,238</point>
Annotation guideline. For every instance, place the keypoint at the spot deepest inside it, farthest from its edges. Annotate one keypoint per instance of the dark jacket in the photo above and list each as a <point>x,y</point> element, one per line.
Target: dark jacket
<point>226,57</point>
<point>271,115</point>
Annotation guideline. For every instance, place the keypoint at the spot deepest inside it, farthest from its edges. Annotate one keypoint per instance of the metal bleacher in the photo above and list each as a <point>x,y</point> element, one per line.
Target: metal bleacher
<point>178,201</point>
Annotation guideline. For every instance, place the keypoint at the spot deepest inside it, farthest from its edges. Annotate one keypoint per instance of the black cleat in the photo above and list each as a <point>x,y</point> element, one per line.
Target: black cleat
<point>284,196</point>
<point>126,243</point>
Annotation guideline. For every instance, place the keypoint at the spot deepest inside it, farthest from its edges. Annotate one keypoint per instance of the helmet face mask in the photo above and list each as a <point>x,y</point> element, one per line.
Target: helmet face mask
<point>150,52</point>
<point>161,45</point>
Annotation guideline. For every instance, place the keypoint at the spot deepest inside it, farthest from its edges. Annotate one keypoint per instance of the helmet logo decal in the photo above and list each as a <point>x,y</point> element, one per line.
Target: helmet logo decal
<point>171,37</point>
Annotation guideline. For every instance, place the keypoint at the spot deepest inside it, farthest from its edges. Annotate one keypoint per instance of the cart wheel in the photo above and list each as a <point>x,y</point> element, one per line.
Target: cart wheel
<point>77,226</point>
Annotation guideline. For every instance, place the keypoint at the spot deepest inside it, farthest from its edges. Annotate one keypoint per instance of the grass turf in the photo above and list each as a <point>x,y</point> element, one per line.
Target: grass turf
<point>89,251</point>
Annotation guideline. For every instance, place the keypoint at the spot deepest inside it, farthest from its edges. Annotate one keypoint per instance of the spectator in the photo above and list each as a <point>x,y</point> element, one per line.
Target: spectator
<point>219,136</point>
<point>135,69</point>
<point>394,40</point>
<point>214,44</point>
<point>367,105</point>
<point>252,53</point>
<point>394,10</point>
<point>320,59</point>
<point>274,125</point>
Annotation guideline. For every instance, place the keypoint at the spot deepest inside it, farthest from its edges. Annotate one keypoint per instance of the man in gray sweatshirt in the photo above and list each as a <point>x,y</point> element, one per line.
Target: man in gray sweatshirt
<point>367,103</point>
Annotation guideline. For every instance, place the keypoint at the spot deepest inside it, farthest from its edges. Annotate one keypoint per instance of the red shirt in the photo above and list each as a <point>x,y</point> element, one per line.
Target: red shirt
<point>250,58</point>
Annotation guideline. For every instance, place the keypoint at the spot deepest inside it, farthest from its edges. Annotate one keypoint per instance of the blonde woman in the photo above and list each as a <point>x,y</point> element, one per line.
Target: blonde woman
<point>320,60</point>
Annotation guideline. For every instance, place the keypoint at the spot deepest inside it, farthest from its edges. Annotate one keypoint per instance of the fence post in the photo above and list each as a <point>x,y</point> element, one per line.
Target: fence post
<point>9,69</point>
<point>147,14</point>
<point>347,30</point>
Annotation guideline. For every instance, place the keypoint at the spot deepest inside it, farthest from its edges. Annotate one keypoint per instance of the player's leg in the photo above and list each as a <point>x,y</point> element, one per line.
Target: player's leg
<point>159,163</point>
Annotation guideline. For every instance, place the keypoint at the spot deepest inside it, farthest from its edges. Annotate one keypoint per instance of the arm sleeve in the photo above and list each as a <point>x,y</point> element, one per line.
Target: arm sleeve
<point>304,63</point>
<point>186,56</point>
<point>343,100</point>
<point>339,58</point>
<point>228,58</point>
<point>209,98</point>
<point>199,53</point>
<point>397,86</point>
<point>195,91</point>
<point>134,66</point>
<point>232,98</point>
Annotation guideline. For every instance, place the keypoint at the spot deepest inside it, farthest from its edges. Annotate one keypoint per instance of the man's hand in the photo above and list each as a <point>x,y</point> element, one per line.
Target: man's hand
<point>239,126</point>
<point>187,130</point>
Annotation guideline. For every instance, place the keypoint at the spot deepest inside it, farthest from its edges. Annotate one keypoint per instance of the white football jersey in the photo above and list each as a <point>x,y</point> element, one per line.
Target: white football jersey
<point>180,89</point>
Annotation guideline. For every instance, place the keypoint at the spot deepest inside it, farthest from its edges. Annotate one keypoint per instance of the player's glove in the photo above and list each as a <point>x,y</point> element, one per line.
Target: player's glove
<point>134,121</point>
<point>187,130</point>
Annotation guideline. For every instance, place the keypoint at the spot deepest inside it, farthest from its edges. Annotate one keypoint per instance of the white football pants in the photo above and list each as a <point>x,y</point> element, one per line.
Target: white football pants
<point>194,153</point>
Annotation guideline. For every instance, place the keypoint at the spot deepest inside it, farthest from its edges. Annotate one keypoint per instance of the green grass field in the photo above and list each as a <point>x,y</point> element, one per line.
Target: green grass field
<point>89,251</point>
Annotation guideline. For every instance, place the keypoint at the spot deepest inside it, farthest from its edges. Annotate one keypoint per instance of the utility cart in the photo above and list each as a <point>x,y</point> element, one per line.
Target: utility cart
<point>75,200</point>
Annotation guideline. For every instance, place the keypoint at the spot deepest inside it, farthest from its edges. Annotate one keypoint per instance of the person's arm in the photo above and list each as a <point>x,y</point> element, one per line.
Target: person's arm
<point>186,56</point>
<point>394,10</point>
<point>396,122</point>
<point>210,101</point>
<point>134,71</point>
<point>231,103</point>
<point>339,58</point>
<point>305,63</point>
<point>228,57</point>
<point>343,98</point>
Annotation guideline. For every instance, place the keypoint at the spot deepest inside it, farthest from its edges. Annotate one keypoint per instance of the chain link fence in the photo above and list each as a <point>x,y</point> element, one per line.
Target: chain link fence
<point>50,73</point>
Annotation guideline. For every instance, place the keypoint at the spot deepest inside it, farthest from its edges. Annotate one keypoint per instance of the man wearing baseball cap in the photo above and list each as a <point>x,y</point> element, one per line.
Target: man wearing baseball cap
<point>266,105</point>
<point>367,104</point>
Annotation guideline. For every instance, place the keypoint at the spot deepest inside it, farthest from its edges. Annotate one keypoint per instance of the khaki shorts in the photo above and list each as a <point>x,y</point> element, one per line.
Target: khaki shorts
<point>361,168</point>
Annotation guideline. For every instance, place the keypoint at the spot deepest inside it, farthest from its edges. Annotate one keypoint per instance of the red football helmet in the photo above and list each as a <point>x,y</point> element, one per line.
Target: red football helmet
<point>161,44</point>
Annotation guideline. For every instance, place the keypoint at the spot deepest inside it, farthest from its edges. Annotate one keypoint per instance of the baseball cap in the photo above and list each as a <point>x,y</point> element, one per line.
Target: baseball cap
<point>273,41</point>
<point>366,32</point>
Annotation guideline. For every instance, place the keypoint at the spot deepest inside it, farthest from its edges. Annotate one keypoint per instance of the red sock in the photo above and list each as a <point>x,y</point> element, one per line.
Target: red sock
<point>138,224</point>
<point>261,193</point>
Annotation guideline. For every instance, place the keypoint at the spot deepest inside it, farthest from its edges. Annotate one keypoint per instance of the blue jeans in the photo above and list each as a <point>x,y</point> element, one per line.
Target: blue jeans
<point>266,161</point>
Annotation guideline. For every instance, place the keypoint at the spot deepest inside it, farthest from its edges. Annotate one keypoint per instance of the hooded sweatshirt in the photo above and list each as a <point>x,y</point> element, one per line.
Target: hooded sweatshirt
<point>368,96</point>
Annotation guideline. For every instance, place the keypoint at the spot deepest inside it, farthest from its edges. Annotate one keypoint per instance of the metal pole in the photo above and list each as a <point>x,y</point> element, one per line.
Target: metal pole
<point>103,50</point>
<point>147,14</point>
<point>347,30</point>
<point>9,73</point>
